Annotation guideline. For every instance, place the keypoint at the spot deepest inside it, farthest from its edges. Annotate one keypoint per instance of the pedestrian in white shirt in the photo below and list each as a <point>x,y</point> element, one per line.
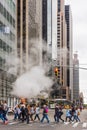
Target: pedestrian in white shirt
<point>37,112</point>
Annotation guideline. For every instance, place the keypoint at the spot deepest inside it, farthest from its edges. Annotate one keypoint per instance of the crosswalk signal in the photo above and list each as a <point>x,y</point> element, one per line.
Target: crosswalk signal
<point>56,71</point>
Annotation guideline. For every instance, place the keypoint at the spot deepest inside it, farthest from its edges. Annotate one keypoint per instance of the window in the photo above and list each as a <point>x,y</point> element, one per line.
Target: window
<point>10,19</point>
<point>1,8</point>
<point>0,43</point>
<point>0,61</point>
<point>4,46</point>
<point>64,91</point>
<point>7,15</point>
<point>13,23</point>
<point>12,36</point>
<point>4,12</point>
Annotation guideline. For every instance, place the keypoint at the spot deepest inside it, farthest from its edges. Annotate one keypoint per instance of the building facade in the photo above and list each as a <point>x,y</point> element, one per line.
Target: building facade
<point>59,41</point>
<point>51,27</point>
<point>68,17</point>
<point>44,20</point>
<point>29,28</point>
<point>76,77</point>
<point>62,46</point>
<point>7,47</point>
<point>64,61</point>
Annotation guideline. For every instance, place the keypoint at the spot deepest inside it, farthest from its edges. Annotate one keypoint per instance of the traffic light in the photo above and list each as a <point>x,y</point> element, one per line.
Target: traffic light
<point>56,71</point>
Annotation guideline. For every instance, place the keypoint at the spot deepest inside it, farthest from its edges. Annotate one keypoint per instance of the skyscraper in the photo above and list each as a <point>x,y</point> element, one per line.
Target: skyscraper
<point>59,37</point>
<point>61,43</point>
<point>64,49</point>
<point>76,77</point>
<point>7,46</point>
<point>61,46</point>
<point>68,17</point>
<point>44,20</point>
<point>51,26</point>
<point>29,27</point>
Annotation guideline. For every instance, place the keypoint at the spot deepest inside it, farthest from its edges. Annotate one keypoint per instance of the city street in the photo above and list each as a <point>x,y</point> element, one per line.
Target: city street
<point>15,125</point>
<point>43,66</point>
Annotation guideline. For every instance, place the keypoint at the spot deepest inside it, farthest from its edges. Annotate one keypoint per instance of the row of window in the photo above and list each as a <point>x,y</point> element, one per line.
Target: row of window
<point>5,47</point>
<point>5,30</point>
<point>6,14</point>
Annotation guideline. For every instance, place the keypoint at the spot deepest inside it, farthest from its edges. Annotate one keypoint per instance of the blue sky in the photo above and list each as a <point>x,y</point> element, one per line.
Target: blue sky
<point>79,13</point>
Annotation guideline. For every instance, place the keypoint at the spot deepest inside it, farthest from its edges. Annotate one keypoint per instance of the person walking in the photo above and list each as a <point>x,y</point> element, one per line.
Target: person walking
<point>2,114</point>
<point>68,115</point>
<point>37,112</point>
<point>60,114</point>
<point>56,115</point>
<point>45,114</point>
<point>32,111</point>
<point>27,113</point>
<point>76,114</point>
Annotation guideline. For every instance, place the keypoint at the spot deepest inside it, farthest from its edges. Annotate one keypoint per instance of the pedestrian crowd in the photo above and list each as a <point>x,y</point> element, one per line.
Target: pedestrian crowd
<point>29,113</point>
<point>72,114</point>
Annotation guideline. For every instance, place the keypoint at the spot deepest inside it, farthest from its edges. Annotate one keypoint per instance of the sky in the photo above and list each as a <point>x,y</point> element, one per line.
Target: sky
<point>79,14</point>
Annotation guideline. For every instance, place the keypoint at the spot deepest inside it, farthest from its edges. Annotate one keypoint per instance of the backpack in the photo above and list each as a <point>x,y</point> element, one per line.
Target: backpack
<point>78,113</point>
<point>46,110</point>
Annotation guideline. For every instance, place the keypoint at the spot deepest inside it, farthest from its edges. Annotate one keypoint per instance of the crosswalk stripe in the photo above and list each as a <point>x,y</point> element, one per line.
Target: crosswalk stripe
<point>76,124</point>
<point>12,123</point>
<point>53,125</point>
<point>30,124</point>
<point>84,125</point>
<point>72,124</point>
<point>66,123</point>
<point>44,125</point>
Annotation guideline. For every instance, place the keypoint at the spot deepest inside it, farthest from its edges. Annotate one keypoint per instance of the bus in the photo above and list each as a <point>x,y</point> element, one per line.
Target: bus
<point>64,102</point>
